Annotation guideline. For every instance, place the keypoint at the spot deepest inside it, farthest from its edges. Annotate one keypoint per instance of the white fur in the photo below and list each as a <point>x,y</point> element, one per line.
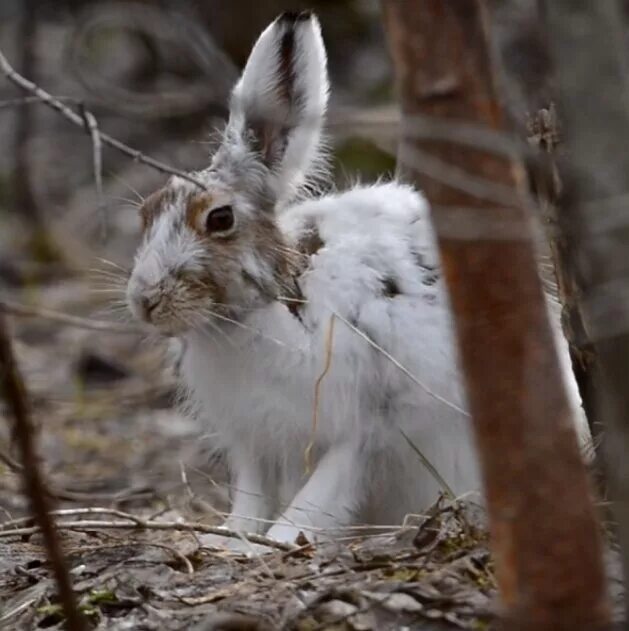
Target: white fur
<point>375,306</point>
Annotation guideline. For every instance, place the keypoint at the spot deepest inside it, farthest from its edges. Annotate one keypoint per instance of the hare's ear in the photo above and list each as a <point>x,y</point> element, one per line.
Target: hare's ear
<point>277,107</point>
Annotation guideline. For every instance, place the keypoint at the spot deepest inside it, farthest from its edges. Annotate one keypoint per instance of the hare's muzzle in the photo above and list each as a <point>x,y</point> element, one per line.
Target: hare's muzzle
<point>142,301</point>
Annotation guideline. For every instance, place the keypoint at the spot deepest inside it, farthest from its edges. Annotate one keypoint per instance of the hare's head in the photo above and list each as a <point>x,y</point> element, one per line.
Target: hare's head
<point>217,249</point>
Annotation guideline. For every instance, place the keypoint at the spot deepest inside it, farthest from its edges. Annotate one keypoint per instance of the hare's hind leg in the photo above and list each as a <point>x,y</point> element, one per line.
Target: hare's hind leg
<point>331,498</point>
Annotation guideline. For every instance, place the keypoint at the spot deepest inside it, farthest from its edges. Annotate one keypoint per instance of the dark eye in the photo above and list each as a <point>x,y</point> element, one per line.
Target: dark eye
<point>220,220</point>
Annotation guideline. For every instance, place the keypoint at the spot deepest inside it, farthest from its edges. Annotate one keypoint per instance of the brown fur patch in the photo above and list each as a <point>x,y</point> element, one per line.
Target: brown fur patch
<point>196,205</point>
<point>310,242</point>
<point>153,206</point>
<point>199,288</point>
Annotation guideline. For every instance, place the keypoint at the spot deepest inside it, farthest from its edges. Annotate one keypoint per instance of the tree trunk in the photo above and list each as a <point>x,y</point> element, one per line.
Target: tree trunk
<point>544,533</point>
<point>589,52</point>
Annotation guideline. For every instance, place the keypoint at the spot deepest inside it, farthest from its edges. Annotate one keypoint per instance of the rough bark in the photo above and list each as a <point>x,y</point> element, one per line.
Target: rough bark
<point>589,53</point>
<point>545,536</point>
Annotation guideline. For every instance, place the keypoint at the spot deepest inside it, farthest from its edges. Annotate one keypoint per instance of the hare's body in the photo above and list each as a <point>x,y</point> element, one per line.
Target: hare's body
<point>319,339</point>
<point>373,274</point>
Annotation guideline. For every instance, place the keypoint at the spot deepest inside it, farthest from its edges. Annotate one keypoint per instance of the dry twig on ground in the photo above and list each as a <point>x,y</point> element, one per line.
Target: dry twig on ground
<point>15,528</point>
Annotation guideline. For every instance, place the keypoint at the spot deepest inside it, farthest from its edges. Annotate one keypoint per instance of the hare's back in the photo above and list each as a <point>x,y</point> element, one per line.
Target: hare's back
<point>374,263</point>
<point>369,243</point>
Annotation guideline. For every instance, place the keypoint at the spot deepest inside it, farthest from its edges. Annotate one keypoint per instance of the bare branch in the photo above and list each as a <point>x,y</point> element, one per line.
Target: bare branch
<point>97,159</point>
<point>131,521</point>
<point>77,120</point>
<point>15,396</point>
<point>28,100</point>
<point>10,462</point>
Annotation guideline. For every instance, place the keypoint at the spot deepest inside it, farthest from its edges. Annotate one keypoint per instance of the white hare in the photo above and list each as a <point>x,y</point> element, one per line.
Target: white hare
<point>329,309</point>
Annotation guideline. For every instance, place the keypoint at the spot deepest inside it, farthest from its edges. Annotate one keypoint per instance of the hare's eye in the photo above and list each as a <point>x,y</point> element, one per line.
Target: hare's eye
<point>220,220</point>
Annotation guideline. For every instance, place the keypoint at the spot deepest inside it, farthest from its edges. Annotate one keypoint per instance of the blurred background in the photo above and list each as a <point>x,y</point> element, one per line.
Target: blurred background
<point>156,75</point>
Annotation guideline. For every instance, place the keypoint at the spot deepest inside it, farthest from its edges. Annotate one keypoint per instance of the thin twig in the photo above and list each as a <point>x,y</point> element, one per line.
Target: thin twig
<point>9,462</point>
<point>73,512</point>
<point>77,120</point>
<point>124,544</point>
<point>91,127</point>
<point>317,392</point>
<point>17,309</point>
<point>133,522</point>
<point>15,395</point>
<point>431,468</point>
<point>27,100</point>
<point>6,616</point>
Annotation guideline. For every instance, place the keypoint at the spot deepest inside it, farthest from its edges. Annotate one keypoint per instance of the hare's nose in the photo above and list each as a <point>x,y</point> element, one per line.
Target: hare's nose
<point>148,304</point>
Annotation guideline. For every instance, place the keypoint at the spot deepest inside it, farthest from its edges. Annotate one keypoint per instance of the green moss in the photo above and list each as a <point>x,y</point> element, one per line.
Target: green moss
<point>98,597</point>
<point>405,574</point>
<point>358,157</point>
<point>50,610</point>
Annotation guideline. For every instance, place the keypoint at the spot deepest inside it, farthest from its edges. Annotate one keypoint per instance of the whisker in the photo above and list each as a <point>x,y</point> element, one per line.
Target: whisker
<point>108,290</point>
<point>113,264</point>
<point>121,313</point>
<point>112,272</point>
<point>201,329</point>
<point>218,316</point>
<point>132,202</point>
<point>301,301</point>
<point>110,278</point>
<point>131,188</point>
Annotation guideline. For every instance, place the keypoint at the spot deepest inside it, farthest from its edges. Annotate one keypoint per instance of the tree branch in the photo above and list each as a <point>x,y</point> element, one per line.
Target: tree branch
<point>79,121</point>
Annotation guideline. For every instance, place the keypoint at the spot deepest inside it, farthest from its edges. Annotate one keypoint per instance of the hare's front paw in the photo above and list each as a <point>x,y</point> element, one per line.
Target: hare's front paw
<point>286,533</point>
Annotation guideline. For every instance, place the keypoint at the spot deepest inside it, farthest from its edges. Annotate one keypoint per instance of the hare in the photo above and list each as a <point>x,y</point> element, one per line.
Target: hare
<point>318,337</point>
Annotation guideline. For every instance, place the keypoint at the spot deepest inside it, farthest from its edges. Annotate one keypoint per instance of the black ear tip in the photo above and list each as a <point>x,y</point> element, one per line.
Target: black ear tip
<point>296,16</point>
